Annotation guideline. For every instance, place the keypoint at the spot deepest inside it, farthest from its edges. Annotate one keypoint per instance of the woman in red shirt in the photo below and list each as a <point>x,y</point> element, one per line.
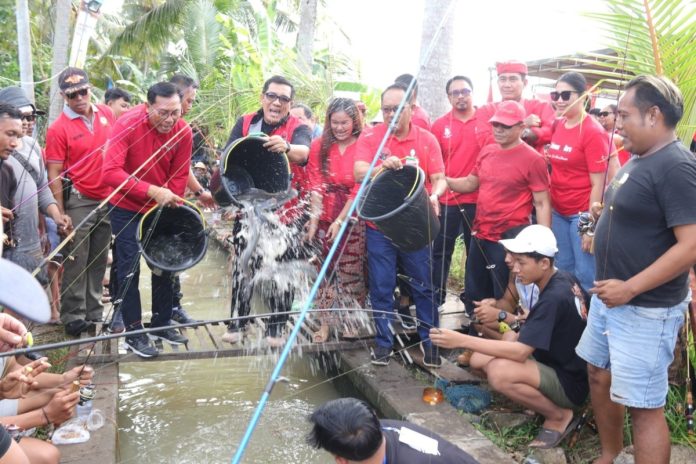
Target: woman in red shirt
<point>331,182</point>
<point>578,153</point>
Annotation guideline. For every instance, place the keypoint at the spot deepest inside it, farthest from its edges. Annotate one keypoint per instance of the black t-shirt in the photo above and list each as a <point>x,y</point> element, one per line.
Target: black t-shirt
<point>403,453</point>
<point>645,200</point>
<point>553,328</point>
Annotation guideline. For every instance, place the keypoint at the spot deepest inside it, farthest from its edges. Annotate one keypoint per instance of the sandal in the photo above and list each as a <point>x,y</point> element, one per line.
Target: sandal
<point>548,438</point>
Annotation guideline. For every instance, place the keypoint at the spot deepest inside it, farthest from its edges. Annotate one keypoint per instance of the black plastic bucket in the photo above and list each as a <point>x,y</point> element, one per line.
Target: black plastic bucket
<point>247,165</point>
<point>398,204</point>
<point>178,239</point>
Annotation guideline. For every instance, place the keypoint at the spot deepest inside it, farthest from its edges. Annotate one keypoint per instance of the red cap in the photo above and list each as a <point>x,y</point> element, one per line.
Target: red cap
<point>509,113</point>
<point>511,67</point>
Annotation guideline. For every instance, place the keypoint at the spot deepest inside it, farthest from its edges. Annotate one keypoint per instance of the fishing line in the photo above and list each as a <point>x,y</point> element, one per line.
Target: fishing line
<point>293,334</point>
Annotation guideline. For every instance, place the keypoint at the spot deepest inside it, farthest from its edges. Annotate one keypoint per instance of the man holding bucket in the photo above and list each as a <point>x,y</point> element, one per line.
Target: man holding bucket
<point>413,145</point>
<point>149,152</point>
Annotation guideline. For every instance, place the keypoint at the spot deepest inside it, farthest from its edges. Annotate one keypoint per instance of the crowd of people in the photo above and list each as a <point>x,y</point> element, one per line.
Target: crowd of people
<point>578,230</point>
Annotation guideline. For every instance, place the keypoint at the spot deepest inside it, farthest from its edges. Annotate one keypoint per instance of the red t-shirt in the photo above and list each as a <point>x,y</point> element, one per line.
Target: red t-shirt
<point>132,142</point>
<point>69,141</point>
<point>507,179</point>
<point>336,185</point>
<point>574,154</point>
<point>544,110</point>
<point>420,117</point>
<point>460,150</point>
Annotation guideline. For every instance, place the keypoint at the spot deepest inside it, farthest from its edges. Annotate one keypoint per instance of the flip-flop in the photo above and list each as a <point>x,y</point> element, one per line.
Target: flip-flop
<point>552,438</point>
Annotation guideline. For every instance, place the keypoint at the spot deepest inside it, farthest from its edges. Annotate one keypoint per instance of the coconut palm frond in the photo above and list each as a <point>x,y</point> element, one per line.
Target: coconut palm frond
<point>202,35</point>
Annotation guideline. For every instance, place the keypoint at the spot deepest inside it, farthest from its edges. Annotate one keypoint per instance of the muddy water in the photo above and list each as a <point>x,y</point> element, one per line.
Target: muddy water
<point>197,411</point>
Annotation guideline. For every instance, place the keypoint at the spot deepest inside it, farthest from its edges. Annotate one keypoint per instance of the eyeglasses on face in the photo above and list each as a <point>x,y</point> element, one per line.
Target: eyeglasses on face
<point>29,117</point>
<point>564,95</point>
<point>272,96</point>
<point>460,93</point>
<point>391,109</point>
<point>73,95</point>
<point>604,114</point>
<point>164,114</point>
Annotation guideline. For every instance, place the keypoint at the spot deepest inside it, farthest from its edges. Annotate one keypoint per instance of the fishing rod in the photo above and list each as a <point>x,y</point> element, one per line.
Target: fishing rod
<point>239,453</point>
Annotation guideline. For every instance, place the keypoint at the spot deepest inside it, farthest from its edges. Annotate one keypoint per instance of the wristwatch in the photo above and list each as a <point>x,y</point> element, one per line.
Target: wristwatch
<point>502,315</point>
<point>199,192</point>
<point>287,147</point>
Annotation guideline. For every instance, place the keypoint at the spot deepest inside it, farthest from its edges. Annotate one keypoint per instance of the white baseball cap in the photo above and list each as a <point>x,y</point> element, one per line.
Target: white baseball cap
<point>533,239</point>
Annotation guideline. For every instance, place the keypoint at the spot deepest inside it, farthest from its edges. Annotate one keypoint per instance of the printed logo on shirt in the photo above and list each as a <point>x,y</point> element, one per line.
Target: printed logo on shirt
<point>103,121</point>
<point>448,133</point>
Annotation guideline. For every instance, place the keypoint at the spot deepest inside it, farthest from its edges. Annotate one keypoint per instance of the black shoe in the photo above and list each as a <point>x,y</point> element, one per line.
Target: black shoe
<point>181,316</point>
<point>140,345</point>
<point>76,327</point>
<point>381,355</point>
<point>431,355</point>
<point>170,336</point>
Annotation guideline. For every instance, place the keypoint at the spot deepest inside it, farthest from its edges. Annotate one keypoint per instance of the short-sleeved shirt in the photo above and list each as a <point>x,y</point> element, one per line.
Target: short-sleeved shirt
<point>647,198</point>
<point>420,117</point>
<point>132,142</point>
<point>336,184</point>
<point>554,327</point>
<point>79,145</point>
<point>507,180</point>
<point>576,153</point>
<point>399,451</point>
<point>460,150</point>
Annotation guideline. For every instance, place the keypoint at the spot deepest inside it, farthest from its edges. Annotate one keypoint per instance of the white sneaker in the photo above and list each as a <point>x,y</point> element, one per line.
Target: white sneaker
<point>233,337</point>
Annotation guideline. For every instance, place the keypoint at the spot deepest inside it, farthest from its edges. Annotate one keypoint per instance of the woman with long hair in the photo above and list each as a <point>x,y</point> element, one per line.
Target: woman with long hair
<point>578,154</point>
<point>331,182</point>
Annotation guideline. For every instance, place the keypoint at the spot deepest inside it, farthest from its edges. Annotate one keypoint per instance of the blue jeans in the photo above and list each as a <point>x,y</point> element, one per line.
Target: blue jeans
<point>381,261</point>
<point>570,257</point>
<point>487,274</point>
<point>124,224</point>
<point>455,221</point>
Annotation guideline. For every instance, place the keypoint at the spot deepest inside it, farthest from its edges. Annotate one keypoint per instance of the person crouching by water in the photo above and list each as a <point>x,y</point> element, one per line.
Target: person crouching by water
<point>286,134</point>
<point>537,367</point>
<point>350,430</point>
<point>330,174</point>
<point>155,128</point>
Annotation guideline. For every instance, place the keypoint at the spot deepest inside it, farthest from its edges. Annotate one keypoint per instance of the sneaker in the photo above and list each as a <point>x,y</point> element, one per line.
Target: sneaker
<point>76,327</point>
<point>170,336</point>
<point>431,355</point>
<point>233,336</point>
<point>179,315</point>
<point>140,345</point>
<point>116,325</point>
<point>381,355</point>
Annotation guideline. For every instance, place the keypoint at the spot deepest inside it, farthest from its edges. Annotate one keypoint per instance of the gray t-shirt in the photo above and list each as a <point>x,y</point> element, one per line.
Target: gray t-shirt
<point>645,200</point>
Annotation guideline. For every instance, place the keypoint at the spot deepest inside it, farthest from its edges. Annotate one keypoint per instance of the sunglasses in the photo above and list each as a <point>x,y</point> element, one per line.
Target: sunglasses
<point>604,114</point>
<point>29,117</point>
<point>73,95</point>
<point>565,95</point>
<point>272,96</point>
<point>460,93</point>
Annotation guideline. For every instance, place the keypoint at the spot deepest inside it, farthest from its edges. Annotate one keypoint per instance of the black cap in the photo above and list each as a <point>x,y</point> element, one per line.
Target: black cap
<point>16,97</point>
<point>73,79</point>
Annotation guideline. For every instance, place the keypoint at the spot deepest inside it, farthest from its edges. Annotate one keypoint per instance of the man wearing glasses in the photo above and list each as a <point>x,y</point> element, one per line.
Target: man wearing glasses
<point>286,134</point>
<point>512,79</point>
<point>153,139</point>
<point>74,148</point>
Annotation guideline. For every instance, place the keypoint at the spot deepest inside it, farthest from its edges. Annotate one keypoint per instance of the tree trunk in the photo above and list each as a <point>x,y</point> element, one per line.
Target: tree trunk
<point>305,33</point>
<point>26,70</point>
<point>438,68</point>
<point>61,39</point>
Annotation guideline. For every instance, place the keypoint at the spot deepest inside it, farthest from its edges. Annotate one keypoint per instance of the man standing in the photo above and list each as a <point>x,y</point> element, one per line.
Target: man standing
<point>411,141</point>
<point>512,79</point>
<point>74,149</point>
<point>305,114</point>
<point>10,139</point>
<point>538,367</point>
<point>118,100</point>
<point>286,134</point>
<point>456,133</point>
<point>645,243</point>
<point>510,176</point>
<point>153,140</point>
<point>419,117</point>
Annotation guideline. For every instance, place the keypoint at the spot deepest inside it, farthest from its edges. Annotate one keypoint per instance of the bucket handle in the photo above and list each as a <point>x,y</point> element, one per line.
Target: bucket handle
<point>415,182</point>
<point>254,134</point>
<point>154,208</point>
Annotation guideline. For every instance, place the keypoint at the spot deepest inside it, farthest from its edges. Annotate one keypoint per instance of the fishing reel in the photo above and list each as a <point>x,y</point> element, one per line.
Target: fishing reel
<point>586,224</point>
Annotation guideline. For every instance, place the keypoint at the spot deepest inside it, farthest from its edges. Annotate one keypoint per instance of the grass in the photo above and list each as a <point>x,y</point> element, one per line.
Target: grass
<point>456,274</point>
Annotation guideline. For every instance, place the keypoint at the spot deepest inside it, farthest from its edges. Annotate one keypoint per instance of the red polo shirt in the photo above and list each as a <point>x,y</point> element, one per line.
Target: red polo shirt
<point>544,110</point>
<point>507,179</point>
<point>132,142</point>
<point>420,117</point>
<point>81,150</point>
<point>460,150</point>
<point>574,154</point>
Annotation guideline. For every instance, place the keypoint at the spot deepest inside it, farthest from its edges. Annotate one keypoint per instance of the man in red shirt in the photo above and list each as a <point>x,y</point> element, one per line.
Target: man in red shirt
<point>147,160</point>
<point>410,141</point>
<point>286,134</point>
<point>419,116</point>
<point>512,79</point>
<point>510,177</point>
<point>74,149</point>
<point>456,133</point>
